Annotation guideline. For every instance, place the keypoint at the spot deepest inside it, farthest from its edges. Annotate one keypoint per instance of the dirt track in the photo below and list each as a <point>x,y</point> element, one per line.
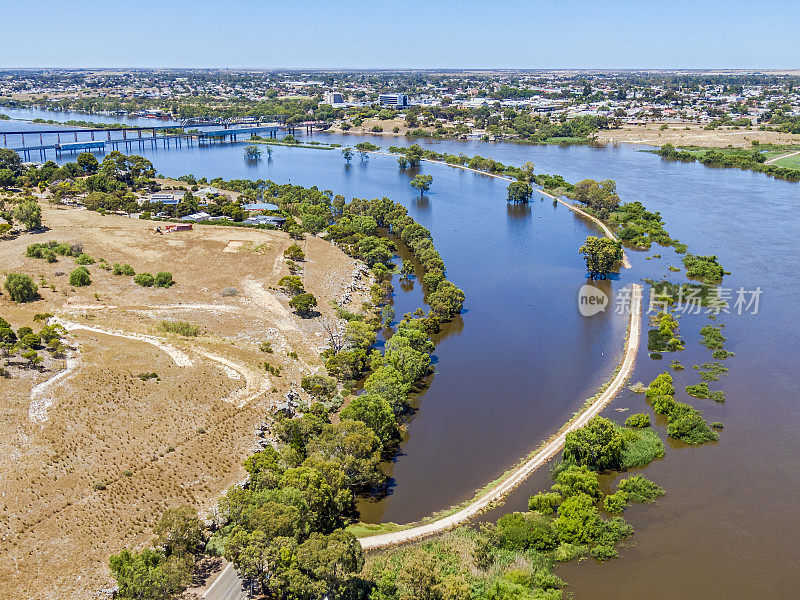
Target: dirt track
<point>554,445</point>
<point>539,458</point>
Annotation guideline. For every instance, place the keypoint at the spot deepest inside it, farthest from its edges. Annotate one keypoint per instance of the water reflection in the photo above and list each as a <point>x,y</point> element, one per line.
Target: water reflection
<point>518,211</point>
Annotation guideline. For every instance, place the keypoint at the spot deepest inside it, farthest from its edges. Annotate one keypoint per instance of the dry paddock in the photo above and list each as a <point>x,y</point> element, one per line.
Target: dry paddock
<point>180,439</point>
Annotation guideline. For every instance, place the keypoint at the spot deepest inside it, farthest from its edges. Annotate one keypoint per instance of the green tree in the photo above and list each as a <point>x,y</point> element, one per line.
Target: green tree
<point>10,160</point>
<point>179,530</point>
<point>519,191</point>
<point>422,183</point>
<point>303,304</point>
<point>599,195</point>
<point>294,252</point>
<point>292,285</point>
<point>347,153</point>
<point>577,480</point>
<point>377,413</point>
<point>252,152</point>
<point>29,213</point>
<point>7,178</point>
<point>20,287</point>
<point>597,445</point>
<point>354,448</point>
<point>446,301</point>
<point>80,277</point>
<point>149,574</point>
<point>88,162</point>
<point>601,256</point>
<point>33,358</point>
<point>578,520</point>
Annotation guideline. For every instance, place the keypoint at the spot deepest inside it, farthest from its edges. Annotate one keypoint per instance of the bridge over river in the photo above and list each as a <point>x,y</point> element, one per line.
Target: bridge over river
<point>189,132</point>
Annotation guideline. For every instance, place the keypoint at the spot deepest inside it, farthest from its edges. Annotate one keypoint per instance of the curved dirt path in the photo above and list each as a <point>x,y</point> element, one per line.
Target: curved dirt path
<point>255,383</point>
<point>179,357</point>
<point>539,458</point>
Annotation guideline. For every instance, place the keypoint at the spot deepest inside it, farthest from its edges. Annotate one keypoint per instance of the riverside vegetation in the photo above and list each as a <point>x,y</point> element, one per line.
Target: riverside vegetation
<point>285,529</point>
<point>752,160</point>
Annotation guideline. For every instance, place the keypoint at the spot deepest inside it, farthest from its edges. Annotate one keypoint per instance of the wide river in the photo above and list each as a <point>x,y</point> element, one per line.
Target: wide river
<point>520,359</point>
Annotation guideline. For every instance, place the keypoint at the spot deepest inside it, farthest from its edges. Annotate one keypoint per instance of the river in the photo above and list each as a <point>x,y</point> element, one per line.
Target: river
<point>520,359</point>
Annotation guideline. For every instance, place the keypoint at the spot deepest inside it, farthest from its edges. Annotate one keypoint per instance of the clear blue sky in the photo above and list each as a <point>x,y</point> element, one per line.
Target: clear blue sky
<point>405,34</point>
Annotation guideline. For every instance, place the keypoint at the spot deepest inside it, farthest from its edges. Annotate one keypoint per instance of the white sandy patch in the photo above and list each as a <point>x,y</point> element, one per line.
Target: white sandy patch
<point>71,306</point>
<point>278,264</point>
<point>280,315</point>
<point>42,401</point>
<point>233,246</point>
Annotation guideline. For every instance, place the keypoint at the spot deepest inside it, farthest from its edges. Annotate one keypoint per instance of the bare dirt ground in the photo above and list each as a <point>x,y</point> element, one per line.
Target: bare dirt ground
<point>696,135</point>
<point>180,439</point>
<point>388,127</point>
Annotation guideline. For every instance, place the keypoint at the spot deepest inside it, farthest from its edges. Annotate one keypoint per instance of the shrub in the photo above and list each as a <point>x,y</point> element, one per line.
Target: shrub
<point>84,259</point>
<point>144,279</point>
<point>642,446</point>
<point>294,252</point>
<point>615,503</point>
<point>319,385</point>
<point>80,277</point>
<point>20,287</point>
<point>520,531</point>
<point>638,420</point>
<point>125,269</point>
<point>604,552</point>
<point>229,291</point>
<point>640,489</point>
<point>567,552</point>
<point>180,327</point>
<point>163,279</point>
<point>705,268</point>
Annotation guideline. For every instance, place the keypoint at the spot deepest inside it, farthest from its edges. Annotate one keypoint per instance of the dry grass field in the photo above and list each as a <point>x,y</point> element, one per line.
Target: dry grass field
<point>695,135</point>
<point>178,439</point>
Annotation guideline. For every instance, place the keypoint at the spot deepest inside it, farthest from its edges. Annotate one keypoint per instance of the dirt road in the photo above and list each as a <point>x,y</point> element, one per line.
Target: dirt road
<point>539,458</point>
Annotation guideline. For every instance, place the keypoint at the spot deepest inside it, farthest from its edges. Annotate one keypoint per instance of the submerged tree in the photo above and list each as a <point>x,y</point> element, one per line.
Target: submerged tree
<point>252,152</point>
<point>422,183</point>
<point>519,191</point>
<point>601,255</point>
<point>347,154</point>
